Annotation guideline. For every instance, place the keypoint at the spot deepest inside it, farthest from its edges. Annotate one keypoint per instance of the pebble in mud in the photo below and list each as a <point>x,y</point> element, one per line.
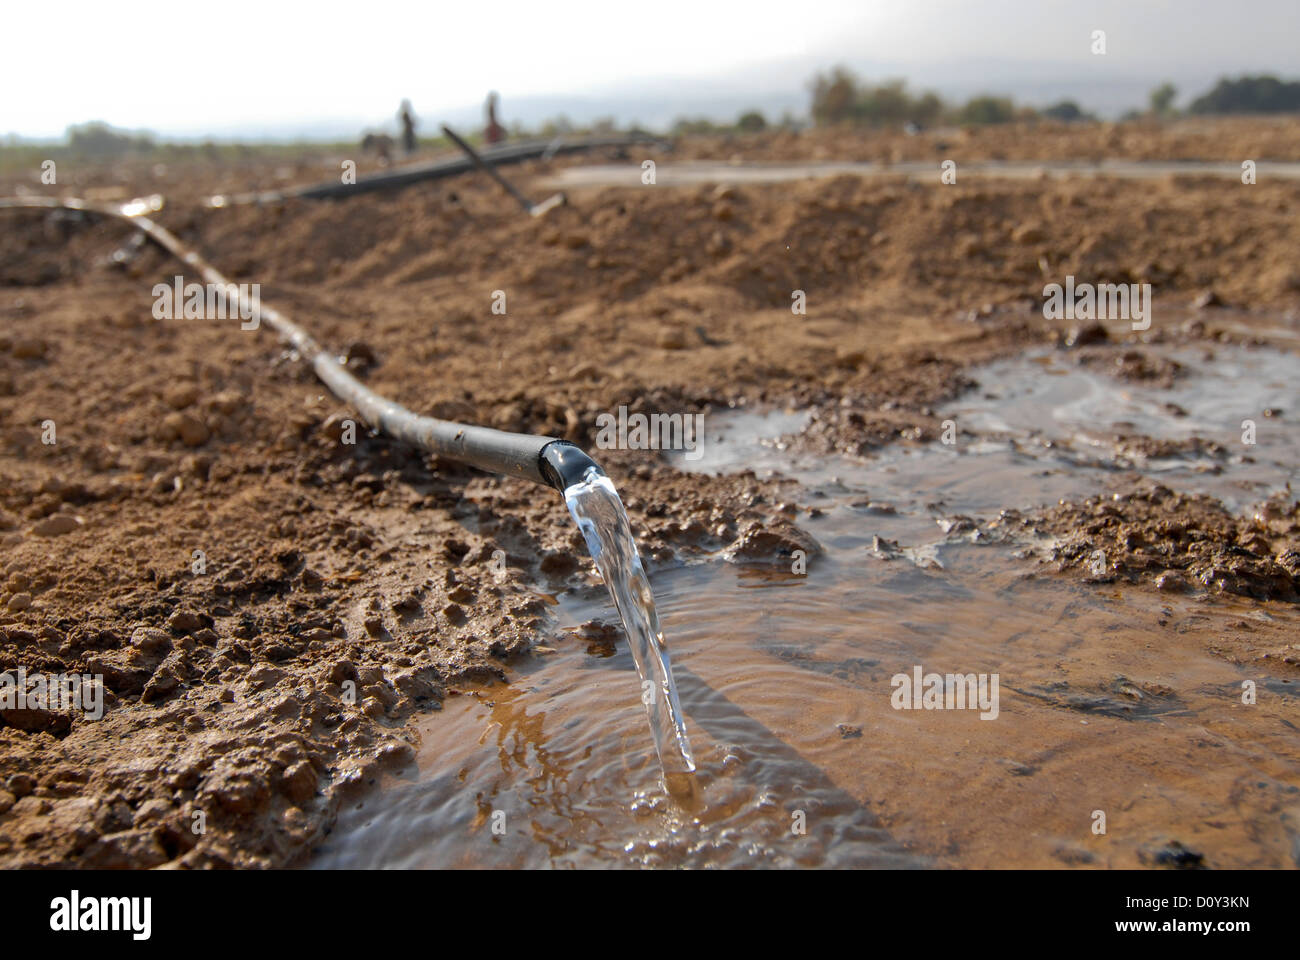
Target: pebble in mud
<point>1172,582</point>
<point>56,525</point>
<point>360,356</point>
<point>772,543</point>
<point>184,621</point>
<point>29,349</point>
<point>1086,334</point>
<point>885,549</point>
<point>178,396</point>
<point>672,340</point>
<point>1173,854</point>
<point>188,429</point>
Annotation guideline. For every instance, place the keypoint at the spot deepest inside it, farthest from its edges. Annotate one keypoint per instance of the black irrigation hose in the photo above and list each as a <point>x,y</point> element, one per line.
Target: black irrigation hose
<point>544,460</point>
<point>438,169</point>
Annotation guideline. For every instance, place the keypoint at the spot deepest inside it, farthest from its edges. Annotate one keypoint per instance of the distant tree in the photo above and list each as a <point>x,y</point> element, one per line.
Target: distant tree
<point>1162,99</point>
<point>834,97</point>
<point>839,97</point>
<point>751,121</point>
<point>887,103</point>
<point>1247,94</point>
<point>100,140</point>
<point>1066,110</point>
<point>684,126</point>
<point>987,110</point>
<point>927,109</point>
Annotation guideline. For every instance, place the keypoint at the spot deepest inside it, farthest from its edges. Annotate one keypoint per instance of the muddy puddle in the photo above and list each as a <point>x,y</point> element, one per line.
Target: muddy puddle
<point>1106,701</point>
<point>1119,734</point>
<point>1051,425</point>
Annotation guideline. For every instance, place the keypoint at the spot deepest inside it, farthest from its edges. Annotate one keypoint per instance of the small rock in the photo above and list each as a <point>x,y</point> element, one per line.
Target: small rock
<point>127,849</point>
<point>1171,581</point>
<point>19,602</point>
<point>884,548</point>
<point>672,340</point>
<point>773,543</point>
<point>228,402</point>
<point>239,792</point>
<point>1028,233</point>
<point>29,348</point>
<point>33,720</point>
<point>161,685</point>
<point>360,355</point>
<point>1207,298</point>
<point>1175,855</point>
<point>151,811</point>
<point>194,432</point>
<point>184,621</point>
<point>188,429</point>
<point>298,783</point>
<point>1087,334</point>
<point>396,754</point>
<point>32,806</point>
<point>55,525</point>
<point>151,641</point>
<point>846,358</point>
<point>181,395</point>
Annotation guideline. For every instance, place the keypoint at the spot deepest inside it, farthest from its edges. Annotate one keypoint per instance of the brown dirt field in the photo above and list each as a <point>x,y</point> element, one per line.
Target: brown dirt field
<point>371,564</point>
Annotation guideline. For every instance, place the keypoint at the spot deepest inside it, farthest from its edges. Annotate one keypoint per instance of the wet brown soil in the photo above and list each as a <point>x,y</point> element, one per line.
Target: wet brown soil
<point>346,589</point>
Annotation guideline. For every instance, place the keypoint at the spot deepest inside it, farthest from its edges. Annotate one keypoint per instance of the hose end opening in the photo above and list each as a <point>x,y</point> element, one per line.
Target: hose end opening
<point>563,464</point>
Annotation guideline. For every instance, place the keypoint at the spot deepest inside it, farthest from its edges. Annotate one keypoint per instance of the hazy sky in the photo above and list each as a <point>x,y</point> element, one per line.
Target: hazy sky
<point>263,68</point>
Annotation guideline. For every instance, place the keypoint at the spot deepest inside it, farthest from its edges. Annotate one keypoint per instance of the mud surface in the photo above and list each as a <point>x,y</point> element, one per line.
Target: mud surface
<point>346,589</point>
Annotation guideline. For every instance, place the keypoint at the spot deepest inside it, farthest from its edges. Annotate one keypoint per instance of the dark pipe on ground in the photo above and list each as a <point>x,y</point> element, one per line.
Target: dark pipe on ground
<point>546,460</point>
<point>438,169</point>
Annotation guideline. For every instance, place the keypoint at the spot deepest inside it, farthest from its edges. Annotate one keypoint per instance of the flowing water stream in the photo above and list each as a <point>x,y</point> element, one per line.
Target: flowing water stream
<point>599,514</point>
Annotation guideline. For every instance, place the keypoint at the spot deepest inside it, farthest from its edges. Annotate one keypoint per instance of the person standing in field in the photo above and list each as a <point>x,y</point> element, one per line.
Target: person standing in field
<point>407,119</point>
<point>494,133</point>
